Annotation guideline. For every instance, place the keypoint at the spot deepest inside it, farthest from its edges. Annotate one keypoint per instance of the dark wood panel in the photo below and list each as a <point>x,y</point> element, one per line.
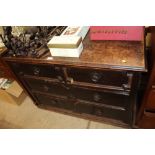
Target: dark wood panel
<point>147,121</point>
<point>151,100</point>
<point>146,117</point>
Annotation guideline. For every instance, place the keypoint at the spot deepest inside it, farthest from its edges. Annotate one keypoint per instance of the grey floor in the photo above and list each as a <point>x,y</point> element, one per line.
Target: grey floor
<point>29,116</point>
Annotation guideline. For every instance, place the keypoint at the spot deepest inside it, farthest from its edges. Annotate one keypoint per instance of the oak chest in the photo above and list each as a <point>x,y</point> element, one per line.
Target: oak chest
<point>101,85</point>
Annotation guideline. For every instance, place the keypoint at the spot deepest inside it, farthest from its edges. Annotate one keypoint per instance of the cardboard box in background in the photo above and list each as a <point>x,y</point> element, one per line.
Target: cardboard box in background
<point>13,95</point>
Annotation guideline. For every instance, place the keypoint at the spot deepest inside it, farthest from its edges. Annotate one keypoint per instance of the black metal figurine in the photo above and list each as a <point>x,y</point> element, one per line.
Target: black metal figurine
<point>32,42</point>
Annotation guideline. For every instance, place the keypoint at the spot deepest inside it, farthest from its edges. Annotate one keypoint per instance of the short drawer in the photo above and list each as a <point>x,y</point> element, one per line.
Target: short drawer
<point>109,99</point>
<point>49,71</point>
<point>45,100</point>
<point>47,86</point>
<point>151,100</point>
<point>103,78</point>
<point>102,111</point>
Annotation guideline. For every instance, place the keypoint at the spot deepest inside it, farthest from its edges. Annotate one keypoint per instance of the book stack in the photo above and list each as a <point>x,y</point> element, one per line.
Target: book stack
<point>69,43</point>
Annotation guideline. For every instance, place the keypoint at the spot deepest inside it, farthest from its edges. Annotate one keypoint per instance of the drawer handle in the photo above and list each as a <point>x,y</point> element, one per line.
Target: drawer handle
<point>98,112</point>
<point>128,85</point>
<point>57,68</point>
<point>60,78</point>
<point>153,86</point>
<point>21,73</point>
<point>46,88</point>
<point>68,79</point>
<point>97,97</point>
<point>95,77</point>
<point>36,71</point>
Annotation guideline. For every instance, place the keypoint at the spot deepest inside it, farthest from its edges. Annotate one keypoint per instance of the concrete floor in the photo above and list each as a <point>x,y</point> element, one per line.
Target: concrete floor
<point>29,116</point>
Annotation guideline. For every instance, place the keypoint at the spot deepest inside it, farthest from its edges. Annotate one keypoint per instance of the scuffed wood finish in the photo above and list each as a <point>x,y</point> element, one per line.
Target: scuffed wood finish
<point>115,55</point>
<point>102,84</point>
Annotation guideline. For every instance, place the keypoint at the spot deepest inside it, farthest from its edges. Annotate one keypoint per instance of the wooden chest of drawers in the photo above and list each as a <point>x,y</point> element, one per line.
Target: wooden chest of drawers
<point>98,85</point>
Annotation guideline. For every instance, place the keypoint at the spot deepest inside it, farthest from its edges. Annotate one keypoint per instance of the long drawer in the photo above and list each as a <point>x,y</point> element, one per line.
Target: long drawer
<point>79,93</point>
<point>110,80</point>
<point>82,108</point>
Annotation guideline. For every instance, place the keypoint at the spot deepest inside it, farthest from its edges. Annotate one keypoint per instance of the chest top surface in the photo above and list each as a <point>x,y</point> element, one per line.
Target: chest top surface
<point>124,55</point>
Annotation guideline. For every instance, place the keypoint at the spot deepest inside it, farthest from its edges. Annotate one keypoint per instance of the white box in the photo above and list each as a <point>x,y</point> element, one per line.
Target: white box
<point>66,52</point>
<point>64,42</point>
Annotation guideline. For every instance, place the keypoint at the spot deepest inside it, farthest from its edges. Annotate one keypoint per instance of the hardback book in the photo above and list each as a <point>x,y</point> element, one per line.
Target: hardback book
<point>76,31</point>
<point>65,46</point>
<point>128,33</point>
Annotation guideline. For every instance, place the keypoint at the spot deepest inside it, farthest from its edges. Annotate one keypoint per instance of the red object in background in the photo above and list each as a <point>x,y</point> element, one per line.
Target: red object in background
<point>129,33</point>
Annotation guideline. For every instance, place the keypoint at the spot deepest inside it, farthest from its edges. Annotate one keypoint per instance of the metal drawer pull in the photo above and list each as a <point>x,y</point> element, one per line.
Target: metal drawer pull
<point>68,79</point>
<point>36,71</point>
<point>129,84</point>
<point>60,78</point>
<point>98,112</point>
<point>46,88</point>
<point>57,68</point>
<point>95,77</point>
<point>153,86</point>
<point>97,97</point>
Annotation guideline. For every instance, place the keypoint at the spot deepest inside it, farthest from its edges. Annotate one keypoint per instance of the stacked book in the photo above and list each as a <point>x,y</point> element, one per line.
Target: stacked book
<point>69,43</point>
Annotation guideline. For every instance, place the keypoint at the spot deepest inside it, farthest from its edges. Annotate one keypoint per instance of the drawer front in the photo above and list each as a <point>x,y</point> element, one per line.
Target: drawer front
<point>147,120</point>
<point>151,100</point>
<point>82,108</point>
<point>47,87</point>
<point>44,100</point>
<point>103,112</point>
<point>105,98</point>
<point>109,78</point>
<point>49,71</point>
